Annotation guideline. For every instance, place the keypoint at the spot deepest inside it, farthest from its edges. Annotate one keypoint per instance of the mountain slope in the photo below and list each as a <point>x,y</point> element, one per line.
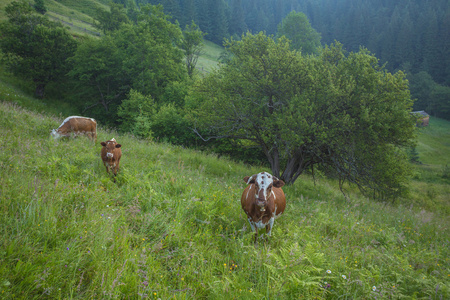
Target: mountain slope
<point>172,226</point>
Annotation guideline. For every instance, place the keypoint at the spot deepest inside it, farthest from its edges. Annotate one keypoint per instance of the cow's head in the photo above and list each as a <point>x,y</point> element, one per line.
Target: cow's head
<point>110,146</point>
<point>263,186</point>
<point>55,134</point>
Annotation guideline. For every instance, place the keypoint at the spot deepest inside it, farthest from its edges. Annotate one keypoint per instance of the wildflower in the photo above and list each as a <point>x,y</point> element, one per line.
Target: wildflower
<point>328,271</point>
<point>343,276</point>
<point>374,288</point>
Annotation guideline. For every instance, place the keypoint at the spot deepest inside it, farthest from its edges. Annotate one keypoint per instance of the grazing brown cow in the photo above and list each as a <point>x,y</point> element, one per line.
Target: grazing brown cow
<point>76,126</point>
<point>263,201</point>
<point>111,154</point>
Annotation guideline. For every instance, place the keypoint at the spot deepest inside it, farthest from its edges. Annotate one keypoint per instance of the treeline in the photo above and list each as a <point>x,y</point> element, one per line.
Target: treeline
<point>411,35</point>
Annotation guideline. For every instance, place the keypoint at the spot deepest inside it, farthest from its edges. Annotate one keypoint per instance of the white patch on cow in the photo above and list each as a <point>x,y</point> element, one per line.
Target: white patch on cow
<point>271,221</point>
<point>274,212</point>
<point>109,155</point>
<point>260,224</point>
<point>274,197</point>
<point>264,179</point>
<point>73,117</point>
<point>248,192</point>
<point>251,224</point>
<point>55,134</point>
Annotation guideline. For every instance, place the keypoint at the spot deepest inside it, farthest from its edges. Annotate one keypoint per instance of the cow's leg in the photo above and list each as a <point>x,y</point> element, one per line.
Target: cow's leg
<point>269,226</point>
<point>254,228</point>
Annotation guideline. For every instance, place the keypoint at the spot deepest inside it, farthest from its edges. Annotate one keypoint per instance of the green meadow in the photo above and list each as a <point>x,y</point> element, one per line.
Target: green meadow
<point>171,227</point>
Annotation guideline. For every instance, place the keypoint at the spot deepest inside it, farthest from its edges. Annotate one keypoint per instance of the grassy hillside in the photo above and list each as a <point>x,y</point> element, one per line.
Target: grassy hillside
<point>77,16</point>
<point>434,143</point>
<point>172,227</point>
<point>431,183</point>
<point>210,57</point>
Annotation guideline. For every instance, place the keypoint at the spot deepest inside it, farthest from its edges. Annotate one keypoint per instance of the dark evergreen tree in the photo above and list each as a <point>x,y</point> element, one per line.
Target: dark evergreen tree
<point>219,24</point>
<point>172,9</point>
<point>237,20</point>
<point>432,60</point>
<point>203,19</point>
<point>404,44</point>
<point>445,28</point>
<point>189,15</point>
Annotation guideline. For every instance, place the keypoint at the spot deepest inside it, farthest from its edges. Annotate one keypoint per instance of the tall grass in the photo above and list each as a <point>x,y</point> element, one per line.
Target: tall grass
<point>172,227</point>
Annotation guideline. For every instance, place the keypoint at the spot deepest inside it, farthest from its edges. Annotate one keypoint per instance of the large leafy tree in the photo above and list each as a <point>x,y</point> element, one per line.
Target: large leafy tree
<point>97,68</point>
<point>111,20</point>
<point>336,111</point>
<point>35,47</point>
<point>142,56</point>
<point>150,54</point>
<point>295,26</point>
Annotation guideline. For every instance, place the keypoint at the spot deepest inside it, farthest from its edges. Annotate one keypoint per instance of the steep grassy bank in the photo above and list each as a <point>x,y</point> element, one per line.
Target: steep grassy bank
<point>172,227</point>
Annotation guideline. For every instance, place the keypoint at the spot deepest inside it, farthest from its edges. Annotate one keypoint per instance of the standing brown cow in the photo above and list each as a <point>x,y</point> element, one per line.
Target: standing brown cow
<point>263,201</point>
<point>111,154</point>
<point>77,126</point>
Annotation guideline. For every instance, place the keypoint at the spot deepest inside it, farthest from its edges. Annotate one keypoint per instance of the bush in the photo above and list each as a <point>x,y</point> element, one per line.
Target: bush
<point>136,112</point>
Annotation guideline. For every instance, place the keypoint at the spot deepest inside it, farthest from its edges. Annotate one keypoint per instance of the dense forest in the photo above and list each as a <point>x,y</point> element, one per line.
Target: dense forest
<point>411,35</point>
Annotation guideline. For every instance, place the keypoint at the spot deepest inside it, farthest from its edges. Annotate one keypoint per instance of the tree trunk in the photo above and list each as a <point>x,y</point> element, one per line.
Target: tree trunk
<point>275,163</point>
<point>39,92</point>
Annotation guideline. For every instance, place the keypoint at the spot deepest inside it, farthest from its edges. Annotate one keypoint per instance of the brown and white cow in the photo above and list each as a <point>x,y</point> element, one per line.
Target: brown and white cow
<point>263,201</point>
<point>111,154</point>
<point>77,126</point>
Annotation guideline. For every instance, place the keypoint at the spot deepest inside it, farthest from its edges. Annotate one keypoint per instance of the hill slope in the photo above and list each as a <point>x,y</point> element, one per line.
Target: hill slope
<point>172,226</point>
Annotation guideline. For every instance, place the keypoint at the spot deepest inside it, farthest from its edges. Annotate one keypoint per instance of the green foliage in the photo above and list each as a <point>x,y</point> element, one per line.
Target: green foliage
<point>295,26</point>
<point>98,71</point>
<point>345,112</point>
<point>135,114</point>
<point>431,97</point>
<point>192,45</point>
<point>39,6</point>
<point>34,47</point>
<point>148,50</point>
<point>111,20</point>
<point>169,125</point>
<point>140,56</point>
<point>413,155</point>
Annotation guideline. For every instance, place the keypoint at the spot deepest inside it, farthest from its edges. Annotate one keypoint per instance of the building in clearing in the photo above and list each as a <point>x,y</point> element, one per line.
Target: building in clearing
<point>423,118</point>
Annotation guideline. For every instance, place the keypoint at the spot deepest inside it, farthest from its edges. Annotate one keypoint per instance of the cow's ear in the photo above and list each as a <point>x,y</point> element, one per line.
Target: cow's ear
<point>278,183</point>
<point>249,179</point>
<point>103,144</point>
<point>118,145</point>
